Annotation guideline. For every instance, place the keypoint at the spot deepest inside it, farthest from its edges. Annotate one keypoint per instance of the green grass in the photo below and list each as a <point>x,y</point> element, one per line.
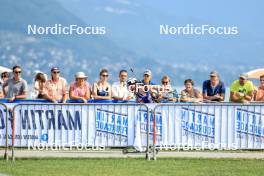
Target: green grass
<point>133,167</point>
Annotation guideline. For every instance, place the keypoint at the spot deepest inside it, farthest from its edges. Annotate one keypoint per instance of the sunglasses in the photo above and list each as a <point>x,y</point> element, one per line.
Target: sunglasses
<point>4,76</point>
<point>56,72</point>
<point>17,72</point>
<point>146,75</point>
<point>104,75</point>
<point>165,82</point>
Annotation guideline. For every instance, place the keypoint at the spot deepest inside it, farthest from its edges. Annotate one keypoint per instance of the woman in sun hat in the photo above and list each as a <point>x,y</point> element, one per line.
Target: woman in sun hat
<point>80,89</point>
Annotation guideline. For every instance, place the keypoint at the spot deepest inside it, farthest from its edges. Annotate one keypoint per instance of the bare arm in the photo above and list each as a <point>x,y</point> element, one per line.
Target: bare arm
<point>220,97</point>
<point>22,96</point>
<point>234,97</point>
<point>1,94</point>
<point>75,97</point>
<point>249,96</point>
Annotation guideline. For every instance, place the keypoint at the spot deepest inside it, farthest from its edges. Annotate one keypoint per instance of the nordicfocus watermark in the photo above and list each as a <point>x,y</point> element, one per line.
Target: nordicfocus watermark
<point>58,146</point>
<point>59,29</point>
<point>190,29</point>
<point>203,146</point>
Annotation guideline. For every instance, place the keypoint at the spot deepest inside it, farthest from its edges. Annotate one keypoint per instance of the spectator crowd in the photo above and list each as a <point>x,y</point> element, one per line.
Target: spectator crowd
<point>56,89</point>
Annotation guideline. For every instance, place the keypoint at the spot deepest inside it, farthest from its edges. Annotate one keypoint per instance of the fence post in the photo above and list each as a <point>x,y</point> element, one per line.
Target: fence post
<point>148,132</point>
<point>154,157</point>
<point>6,136</point>
<point>13,132</point>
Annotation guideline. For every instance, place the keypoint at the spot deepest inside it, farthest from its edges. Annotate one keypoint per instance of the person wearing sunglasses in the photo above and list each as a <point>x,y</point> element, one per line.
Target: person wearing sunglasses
<point>80,88</point>
<point>242,90</point>
<point>17,86</point>
<point>166,93</point>
<point>146,89</point>
<point>102,89</point>
<point>4,76</point>
<point>55,89</point>
<point>259,96</point>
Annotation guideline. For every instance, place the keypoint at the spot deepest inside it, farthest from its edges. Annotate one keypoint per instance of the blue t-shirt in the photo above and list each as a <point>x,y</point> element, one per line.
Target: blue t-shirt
<point>144,98</point>
<point>211,91</point>
<point>150,83</point>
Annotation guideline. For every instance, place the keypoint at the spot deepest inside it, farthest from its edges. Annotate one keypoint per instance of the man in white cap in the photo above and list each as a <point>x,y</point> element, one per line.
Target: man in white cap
<point>145,90</point>
<point>241,91</point>
<point>55,89</point>
<point>80,88</point>
<point>147,78</point>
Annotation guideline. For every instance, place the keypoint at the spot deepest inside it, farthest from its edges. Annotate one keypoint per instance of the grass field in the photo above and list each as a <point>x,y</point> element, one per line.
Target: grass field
<point>132,166</point>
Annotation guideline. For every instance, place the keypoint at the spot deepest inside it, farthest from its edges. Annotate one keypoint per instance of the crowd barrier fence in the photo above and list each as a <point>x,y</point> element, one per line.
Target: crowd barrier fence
<point>79,125</point>
<point>223,126</point>
<point>147,128</point>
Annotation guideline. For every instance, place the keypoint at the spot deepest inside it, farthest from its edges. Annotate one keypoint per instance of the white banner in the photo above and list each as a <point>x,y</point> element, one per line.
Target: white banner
<point>210,126</point>
<point>206,126</point>
<point>75,125</point>
<point>3,125</point>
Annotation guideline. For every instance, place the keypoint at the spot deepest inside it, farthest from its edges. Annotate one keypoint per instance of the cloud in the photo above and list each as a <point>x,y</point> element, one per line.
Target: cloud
<point>126,2</point>
<point>118,11</point>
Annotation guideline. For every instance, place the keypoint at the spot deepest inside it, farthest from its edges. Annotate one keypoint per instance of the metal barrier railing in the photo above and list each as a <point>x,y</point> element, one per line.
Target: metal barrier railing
<point>113,125</point>
<point>81,125</point>
<point>208,126</point>
<point>4,128</point>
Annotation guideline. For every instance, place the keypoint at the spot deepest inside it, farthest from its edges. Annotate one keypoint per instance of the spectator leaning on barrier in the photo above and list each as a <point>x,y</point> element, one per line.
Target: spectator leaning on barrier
<point>190,94</point>
<point>167,94</point>
<point>241,91</point>
<point>17,87</point>
<point>213,89</point>
<point>120,89</point>
<point>1,92</point>
<point>80,88</point>
<point>102,89</point>
<point>145,89</point>
<point>4,78</point>
<point>39,84</point>
<point>259,96</point>
<point>55,89</point>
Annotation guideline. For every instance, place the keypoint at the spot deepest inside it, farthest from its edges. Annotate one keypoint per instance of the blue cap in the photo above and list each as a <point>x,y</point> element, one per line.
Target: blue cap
<point>54,68</point>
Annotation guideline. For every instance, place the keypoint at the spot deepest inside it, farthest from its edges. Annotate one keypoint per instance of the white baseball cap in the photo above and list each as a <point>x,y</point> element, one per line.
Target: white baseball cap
<point>243,75</point>
<point>80,75</point>
<point>147,72</point>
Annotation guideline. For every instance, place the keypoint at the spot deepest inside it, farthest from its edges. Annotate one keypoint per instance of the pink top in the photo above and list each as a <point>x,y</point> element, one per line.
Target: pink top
<point>56,90</point>
<point>79,91</point>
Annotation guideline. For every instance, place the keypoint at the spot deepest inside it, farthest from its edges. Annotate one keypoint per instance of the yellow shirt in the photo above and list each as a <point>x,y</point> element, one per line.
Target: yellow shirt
<point>246,88</point>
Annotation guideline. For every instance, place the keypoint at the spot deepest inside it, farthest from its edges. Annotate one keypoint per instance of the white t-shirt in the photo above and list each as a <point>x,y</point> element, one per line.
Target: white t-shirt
<point>120,89</point>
